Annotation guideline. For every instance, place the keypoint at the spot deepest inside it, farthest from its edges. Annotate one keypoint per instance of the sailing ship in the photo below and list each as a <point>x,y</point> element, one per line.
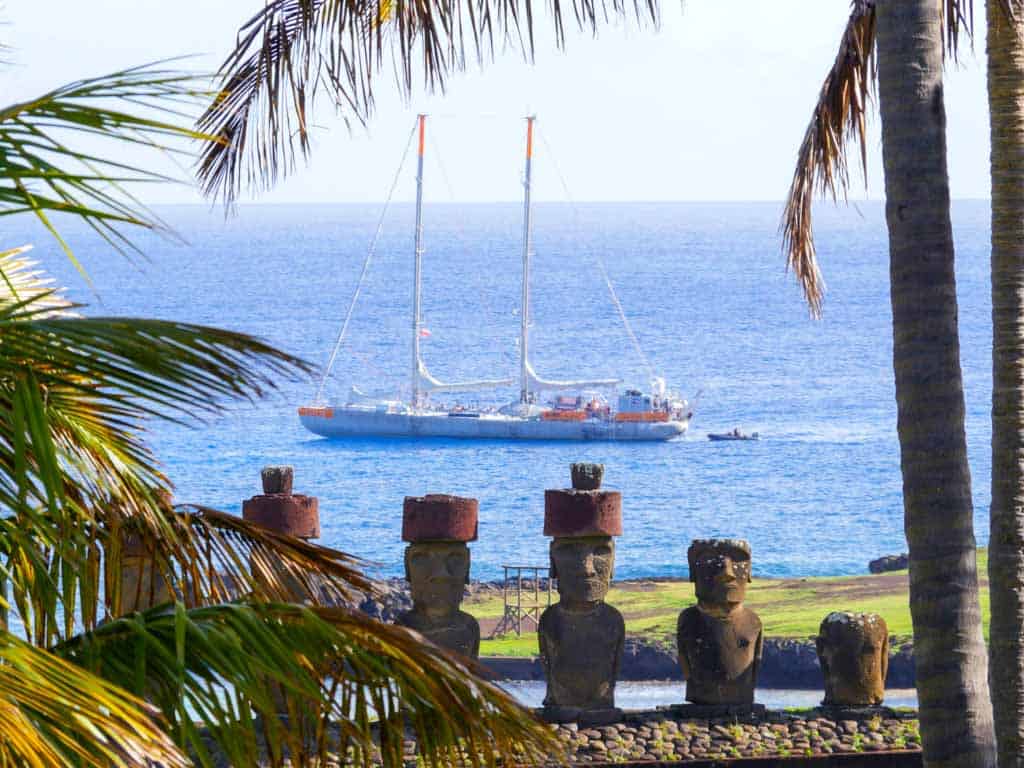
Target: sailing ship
<point>636,415</point>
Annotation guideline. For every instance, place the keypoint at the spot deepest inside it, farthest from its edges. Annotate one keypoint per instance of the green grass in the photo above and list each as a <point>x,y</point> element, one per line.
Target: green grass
<point>510,645</point>
<point>787,607</point>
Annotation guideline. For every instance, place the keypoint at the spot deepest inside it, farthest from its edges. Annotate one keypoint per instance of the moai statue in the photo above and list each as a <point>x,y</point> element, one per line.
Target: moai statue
<point>141,584</point>
<point>581,636</point>
<point>853,649</point>
<point>719,640</point>
<point>282,511</point>
<point>437,528</point>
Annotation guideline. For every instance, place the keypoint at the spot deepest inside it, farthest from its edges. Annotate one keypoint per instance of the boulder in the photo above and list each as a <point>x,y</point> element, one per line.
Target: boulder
<point>889,563</point>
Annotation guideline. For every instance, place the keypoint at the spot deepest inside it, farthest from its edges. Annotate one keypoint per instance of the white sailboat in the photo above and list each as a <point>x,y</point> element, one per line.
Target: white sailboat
<point>633,416</point>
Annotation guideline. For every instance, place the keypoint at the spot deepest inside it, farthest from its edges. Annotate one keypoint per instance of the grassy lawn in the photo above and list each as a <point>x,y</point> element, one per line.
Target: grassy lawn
<point>787,607</point>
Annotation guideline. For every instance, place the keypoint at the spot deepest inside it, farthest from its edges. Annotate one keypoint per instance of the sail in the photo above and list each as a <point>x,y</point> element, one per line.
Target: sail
<point>428,383</point>
<point>536,384</point>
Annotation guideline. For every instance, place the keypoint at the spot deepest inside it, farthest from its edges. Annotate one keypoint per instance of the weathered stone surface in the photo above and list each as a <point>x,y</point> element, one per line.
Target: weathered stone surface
<point>439,517</point>
<point>587,476</point>
<point>293,515</point>
<point>438,572</point>
<point>889,563</point>
<point>569,512</point>
<point>581,637</point>
<point>142,585</point>
<point>277,479</point>
<point>278,509</point>
<point>719,641</point>
<point>854,653</point>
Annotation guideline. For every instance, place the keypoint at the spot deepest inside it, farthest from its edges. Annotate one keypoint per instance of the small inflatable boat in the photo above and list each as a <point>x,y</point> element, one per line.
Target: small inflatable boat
<point>734,435</point>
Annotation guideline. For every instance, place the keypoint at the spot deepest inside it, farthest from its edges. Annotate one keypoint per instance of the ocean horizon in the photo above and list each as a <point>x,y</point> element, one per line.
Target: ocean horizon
<point>705,288</point>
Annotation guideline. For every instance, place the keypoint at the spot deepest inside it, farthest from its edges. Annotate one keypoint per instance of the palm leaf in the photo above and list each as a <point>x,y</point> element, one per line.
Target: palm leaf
<point>839,117</point>
<point>291,50</point>
<point>839,120</point>
<point>341,678</point>
<point>44,169</point>
<point>53,713</point>
<point>215,557</point>
<point>73,392</point>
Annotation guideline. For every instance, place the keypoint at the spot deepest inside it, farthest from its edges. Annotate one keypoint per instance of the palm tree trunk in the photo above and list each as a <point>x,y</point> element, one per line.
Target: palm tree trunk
<point>1006,542</point>
<point>956,715</point>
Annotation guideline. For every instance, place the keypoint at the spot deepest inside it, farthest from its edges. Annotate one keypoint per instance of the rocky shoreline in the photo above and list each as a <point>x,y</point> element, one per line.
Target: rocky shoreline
<point>786,663</point>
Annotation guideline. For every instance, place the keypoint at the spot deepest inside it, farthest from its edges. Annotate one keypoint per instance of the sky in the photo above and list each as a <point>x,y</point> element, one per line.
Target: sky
<point>711,106</point>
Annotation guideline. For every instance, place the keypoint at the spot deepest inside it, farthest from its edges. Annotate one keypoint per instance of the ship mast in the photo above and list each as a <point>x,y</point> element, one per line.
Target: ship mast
<point>524,325</point>
<point>417,269</point>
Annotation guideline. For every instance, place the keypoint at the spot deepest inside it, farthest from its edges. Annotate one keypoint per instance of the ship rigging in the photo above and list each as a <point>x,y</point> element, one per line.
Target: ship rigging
<point>657,415</point>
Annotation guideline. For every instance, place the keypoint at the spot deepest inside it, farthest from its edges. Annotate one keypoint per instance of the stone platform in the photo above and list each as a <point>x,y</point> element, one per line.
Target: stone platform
<point>757,739</point>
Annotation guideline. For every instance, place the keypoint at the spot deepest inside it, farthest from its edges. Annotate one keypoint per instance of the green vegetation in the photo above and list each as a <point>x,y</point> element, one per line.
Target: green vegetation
<point>788,607</point>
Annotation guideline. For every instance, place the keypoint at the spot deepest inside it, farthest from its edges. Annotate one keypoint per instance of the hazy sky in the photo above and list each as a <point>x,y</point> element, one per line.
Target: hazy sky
<point>711,106</point>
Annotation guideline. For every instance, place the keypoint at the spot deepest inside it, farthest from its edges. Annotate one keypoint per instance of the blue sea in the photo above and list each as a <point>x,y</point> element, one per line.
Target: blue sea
<point>705,288</point>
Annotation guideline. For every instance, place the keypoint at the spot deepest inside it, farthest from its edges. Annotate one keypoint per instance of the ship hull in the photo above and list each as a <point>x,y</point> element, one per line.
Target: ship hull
<point>346,421</point>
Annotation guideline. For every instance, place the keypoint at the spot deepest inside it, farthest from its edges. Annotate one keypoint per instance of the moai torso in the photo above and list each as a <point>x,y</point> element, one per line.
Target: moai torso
<point>720,655</point>
<point>459,632</point>
<point>581,653</point>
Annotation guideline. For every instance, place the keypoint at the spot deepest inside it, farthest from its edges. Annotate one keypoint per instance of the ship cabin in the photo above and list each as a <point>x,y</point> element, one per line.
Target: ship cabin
<point>634,405</point>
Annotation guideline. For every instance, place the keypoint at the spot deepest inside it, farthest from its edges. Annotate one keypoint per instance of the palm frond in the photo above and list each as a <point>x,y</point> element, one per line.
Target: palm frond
<point>46,169</point>
<point>215,557</point>
<point>53,713</point>
<point>291,50</point>
<point>341,678</point>
<point>73,394</point>
<point>838,118</point>
<point>958,20</point>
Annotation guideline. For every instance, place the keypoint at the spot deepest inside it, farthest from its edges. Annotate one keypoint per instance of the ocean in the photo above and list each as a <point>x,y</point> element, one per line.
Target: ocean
<point>705,288</point>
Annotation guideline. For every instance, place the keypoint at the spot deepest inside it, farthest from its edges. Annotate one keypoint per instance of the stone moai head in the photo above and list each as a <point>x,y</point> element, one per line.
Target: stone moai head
<point>583,521</point>
<point>853,649</point>
<point>720,571</point>
<point>437,527</point>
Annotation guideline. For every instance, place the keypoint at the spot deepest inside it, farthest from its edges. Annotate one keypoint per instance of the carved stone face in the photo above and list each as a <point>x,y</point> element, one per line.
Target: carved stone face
<point>720,571</point>
<point>583,566</point>
<point>853,649</point>
<point>437,572</point>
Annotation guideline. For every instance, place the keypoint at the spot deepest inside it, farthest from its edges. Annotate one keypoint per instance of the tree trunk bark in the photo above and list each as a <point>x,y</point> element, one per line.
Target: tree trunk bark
<point>1006,542</point>
<point>950,655</point>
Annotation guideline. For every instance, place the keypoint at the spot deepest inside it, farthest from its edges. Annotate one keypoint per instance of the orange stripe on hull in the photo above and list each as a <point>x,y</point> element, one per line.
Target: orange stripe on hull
<point>564,416</point>
<point>642,416</point>
<point>326,413</point>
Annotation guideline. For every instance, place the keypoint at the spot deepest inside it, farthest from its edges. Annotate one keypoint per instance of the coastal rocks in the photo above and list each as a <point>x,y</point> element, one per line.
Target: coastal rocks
<point>790,663</point>
<point>394,597</point>
<point>644,660</point>
<point>889,563</point>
